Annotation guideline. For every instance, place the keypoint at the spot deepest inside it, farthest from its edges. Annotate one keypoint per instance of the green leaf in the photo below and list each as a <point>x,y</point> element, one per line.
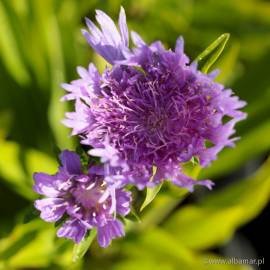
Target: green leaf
<point>159,210</point>
<point>215,49</point>
<point>37,161</point>
<point>9,51</point>
<point>133,216</point>
<point>63,255</point>
<point>151,193</point>
<point>80,249</point>
<point>28,246</point>
<point>12,171</point>
<point>221,213</point>
<point>250,194</point>
<point>57,109</point>
<point>157,247</point>
<point>21,166</point>
<point>200,228</point>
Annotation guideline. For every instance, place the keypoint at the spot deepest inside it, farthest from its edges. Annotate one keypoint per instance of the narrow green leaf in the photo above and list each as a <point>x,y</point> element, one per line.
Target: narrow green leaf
<point>215,49</point>
<point>14,174</point>
<point>9,52</point>
<point>57,109</point>
<point>151,193</point>
<point>5,123</point>
<point>80,249</point>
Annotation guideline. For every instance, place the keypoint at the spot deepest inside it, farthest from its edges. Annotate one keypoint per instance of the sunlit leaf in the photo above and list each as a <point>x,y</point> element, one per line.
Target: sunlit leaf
<point>158,244</point>
<point>63,255</point>
<point>17,166</point>
<point>29,245</point>
<point>12,171</point>
<point>37,161</point>
<point>159,210</point>
<point>156,247</point>
<point>221,213</point>
<point>200,228</point>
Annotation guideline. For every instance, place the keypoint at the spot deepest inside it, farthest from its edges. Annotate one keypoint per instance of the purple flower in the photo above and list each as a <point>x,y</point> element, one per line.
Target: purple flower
<point>85,199</point>
<point>152,106</point>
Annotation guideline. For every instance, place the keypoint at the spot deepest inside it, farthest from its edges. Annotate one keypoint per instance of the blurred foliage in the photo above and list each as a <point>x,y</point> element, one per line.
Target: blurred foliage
<point>40,47</point>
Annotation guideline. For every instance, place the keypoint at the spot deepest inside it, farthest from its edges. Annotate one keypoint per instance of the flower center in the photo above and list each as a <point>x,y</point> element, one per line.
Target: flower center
<point>89,194</point>
<point>154,122</point>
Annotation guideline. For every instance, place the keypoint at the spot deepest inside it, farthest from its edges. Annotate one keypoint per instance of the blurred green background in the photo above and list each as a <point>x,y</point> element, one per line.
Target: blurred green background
<point>40,47</point>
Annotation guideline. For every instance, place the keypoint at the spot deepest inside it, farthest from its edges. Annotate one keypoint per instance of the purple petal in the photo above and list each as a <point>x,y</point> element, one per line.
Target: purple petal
<point>82,178</point>
<point>45,185</point>
<point>213,74</point>
<point>72,229</point>
<point>137,40</point>
<point>111,230</point>
<point>179,48</point>
<point>71,162</point>
<point>123,199</point>
<point>110,32</point>
<point>107,51</point>
<point>209,154</point>
<point>52,209</point>
<point>80,120</point>
<point>83,72</point>
<point>96,33</point>
<point>108,43</point>
<point>97,170</point>
<point>123,27</point>
<point>107,154</point>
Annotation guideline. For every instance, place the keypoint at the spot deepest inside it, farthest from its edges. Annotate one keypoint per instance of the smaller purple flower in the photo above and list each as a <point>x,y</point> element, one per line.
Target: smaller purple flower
<point>85,200</point>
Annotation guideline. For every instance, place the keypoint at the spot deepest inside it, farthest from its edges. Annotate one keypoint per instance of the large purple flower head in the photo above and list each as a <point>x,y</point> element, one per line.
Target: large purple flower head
<point>155,108</point>
<point>85,200</point>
